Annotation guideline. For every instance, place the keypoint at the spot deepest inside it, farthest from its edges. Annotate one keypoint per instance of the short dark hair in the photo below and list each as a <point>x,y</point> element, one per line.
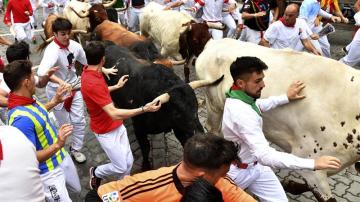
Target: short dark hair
<point>209,151</point>
<point>94,52</point>
<point>202,191</point>
<point>15,72</point>
<point>61,24</point>
<point>246,65</point>
<point>18,51</point>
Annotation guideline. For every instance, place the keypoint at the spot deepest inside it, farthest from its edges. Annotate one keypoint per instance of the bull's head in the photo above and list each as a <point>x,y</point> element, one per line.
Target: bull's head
<point>97,13</point>
<point>194,39</point>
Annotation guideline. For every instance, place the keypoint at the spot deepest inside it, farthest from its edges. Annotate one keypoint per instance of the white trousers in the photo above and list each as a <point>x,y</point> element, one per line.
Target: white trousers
<point>133,19</point>
<point>251,35</point>
<point>353,56</point>
<point>260,180</point>
<point>71,176</point>
<point>22,31</point>
<point>229,21</point>
<point>54,186</point>
<point>75,117</point>
<point>323,41</point>
<point>117,147</point>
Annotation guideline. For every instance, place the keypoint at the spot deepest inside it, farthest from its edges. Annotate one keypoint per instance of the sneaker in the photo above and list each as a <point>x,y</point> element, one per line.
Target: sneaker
<point>78,156</point>
<point>344,49</point>
<point>94,181</point>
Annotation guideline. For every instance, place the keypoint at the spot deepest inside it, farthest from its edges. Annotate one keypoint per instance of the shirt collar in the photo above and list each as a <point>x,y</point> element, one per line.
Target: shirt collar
<point>177,182</point>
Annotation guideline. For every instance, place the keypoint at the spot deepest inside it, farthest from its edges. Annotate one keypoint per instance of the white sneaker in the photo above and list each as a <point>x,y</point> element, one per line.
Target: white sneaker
<point>78,156</point>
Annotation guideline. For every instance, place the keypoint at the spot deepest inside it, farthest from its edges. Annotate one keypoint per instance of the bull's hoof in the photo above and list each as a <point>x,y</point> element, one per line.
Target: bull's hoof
<point>357,166</point>
<point>295,188</point>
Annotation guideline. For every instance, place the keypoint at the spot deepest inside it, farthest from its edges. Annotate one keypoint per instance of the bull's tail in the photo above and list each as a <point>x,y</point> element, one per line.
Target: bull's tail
<point>43,45</point>
<point>201,83</point>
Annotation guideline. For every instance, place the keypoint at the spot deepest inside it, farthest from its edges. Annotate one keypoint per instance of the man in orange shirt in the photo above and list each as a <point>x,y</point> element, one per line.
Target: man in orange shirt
<point>205,156</point>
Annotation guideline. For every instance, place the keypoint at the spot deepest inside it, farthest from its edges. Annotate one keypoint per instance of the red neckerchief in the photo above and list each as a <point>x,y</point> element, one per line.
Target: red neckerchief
<point>282,19</point>
<point>61,45</point>
<point>234,87</point>
<point>1,152</point>
<point>17,100</point>
<point>257,5</point>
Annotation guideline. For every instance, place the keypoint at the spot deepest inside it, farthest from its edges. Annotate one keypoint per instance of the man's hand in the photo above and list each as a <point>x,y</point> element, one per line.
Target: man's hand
<point>315,36</point>
<point>152,106</point>
<point>260,14</point>
<point>8,24</point>
<point>317,22</point>
<point>345,20</point>
<point>335,19</point>
<point>64,132</point>
<point>122,81</point>
<point>191,9</point>
<point>294,90</point>
<point>324,162</point>
<point>61,94</point>
<point>316,52</point>
<point>27,13</point>
<point>109,71</point>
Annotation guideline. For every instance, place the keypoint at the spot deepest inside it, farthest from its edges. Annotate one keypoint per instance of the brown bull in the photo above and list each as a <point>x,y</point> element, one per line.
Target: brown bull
<point>105,30</point>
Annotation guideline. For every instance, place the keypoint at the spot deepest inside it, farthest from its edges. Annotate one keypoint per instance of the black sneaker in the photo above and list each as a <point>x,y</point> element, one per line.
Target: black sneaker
<point>94,181</point>
<point>344,49</point>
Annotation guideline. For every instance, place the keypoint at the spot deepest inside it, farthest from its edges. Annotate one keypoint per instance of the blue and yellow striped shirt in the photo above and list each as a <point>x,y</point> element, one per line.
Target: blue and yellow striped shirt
<point>33,120</point>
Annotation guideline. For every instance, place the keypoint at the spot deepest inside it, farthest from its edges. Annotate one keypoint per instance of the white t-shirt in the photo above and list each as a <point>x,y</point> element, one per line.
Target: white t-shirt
<point>241,124</point>
<point>280,36</point>
<point>54,56</point>
<point>19,170</point>
<point>212,9</point>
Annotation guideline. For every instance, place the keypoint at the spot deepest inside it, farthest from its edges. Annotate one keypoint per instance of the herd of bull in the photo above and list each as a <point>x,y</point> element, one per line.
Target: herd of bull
<point>325,123</point>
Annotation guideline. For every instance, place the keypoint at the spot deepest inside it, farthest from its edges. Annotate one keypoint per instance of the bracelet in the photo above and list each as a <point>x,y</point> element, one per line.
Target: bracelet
<point>142,109</point>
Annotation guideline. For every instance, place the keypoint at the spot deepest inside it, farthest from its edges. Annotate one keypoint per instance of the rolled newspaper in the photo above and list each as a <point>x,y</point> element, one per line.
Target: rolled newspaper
<point>327,29</point>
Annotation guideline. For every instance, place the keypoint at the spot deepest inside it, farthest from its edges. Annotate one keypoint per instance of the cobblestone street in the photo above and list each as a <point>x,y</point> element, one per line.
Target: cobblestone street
<point>166,150</point>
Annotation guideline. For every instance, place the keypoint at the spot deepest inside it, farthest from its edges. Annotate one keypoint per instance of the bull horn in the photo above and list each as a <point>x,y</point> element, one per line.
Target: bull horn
<point>78,31</point>
<point>201,83</point>
<point>35,67</point>
<point>86,14</point>
<point>109,4</point>
<point>164,98</point>
<point>121,9</point>
<point>176,62</point>
<point>216,25</point>
<point>50,39</point>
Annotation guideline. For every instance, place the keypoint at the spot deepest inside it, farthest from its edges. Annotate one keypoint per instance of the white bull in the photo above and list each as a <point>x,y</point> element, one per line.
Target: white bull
<point>80,7</point>
<point>326,122</point>
<point>163,27</point>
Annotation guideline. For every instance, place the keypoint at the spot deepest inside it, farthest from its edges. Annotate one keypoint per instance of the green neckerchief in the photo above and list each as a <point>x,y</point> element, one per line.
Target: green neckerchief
<point>239,94</point>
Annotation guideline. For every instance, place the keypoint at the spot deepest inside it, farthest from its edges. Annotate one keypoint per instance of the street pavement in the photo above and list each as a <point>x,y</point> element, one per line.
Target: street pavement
<point>166,150</point>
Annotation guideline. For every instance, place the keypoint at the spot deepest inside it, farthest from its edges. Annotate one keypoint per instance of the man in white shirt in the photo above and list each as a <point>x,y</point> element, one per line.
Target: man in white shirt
<point>289,32</point>
<point>242,124</point>
<point>212,12</point>
<point>63,52</point>
<point>309,10</point>
<point>19,168</point>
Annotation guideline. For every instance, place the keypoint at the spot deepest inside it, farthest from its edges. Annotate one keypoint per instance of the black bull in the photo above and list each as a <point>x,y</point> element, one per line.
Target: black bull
<point>146,82</point>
